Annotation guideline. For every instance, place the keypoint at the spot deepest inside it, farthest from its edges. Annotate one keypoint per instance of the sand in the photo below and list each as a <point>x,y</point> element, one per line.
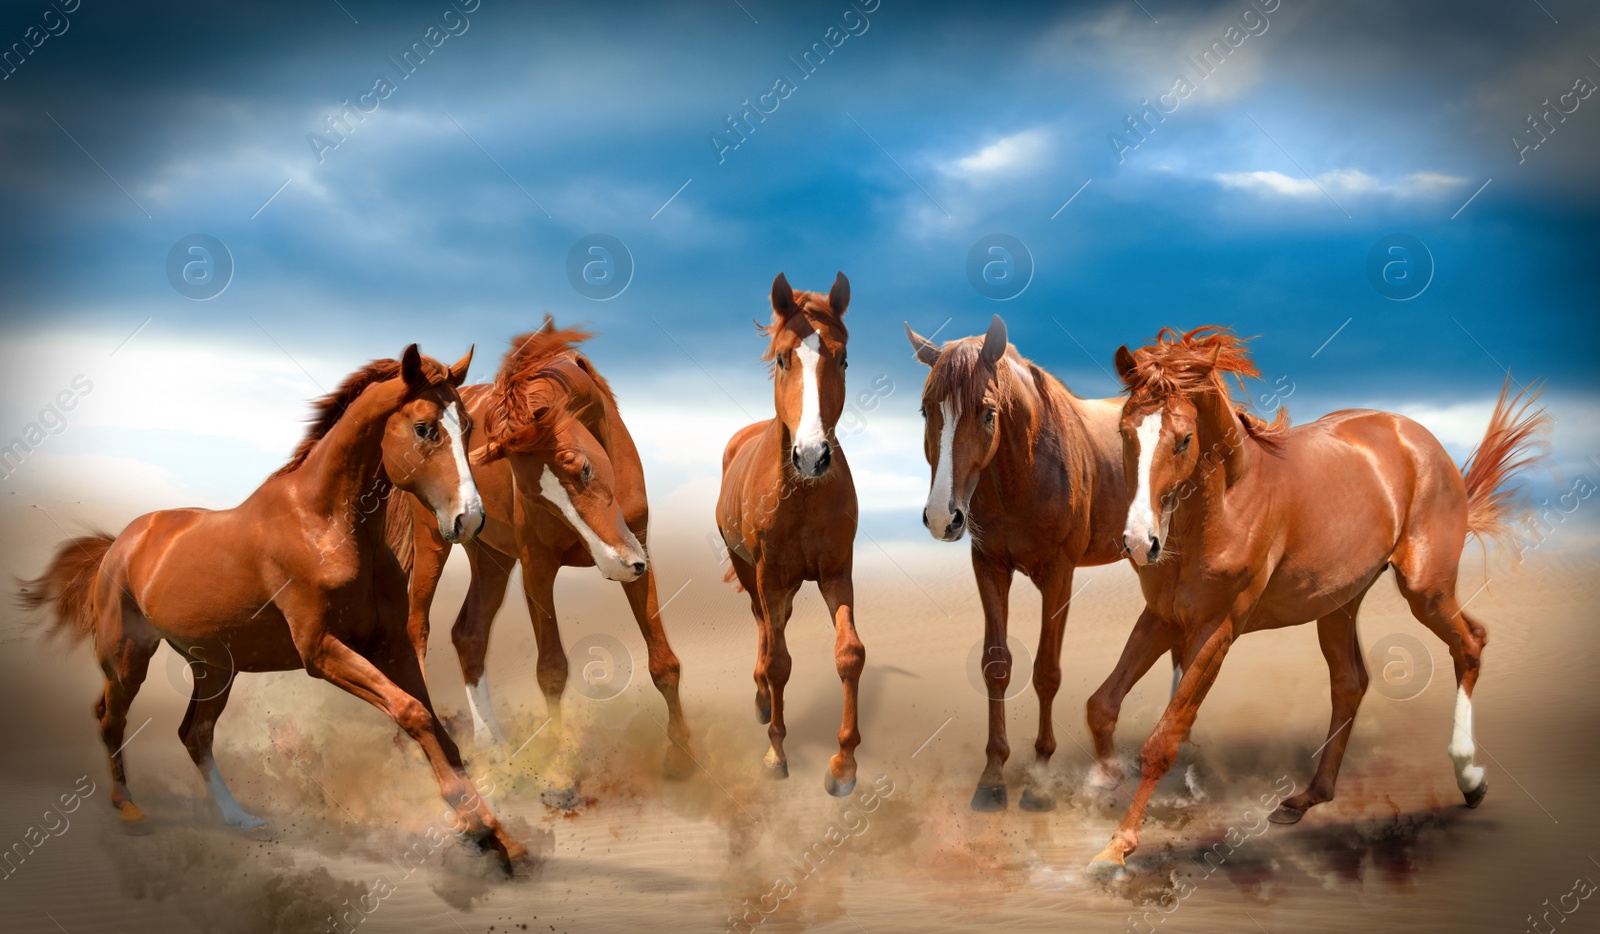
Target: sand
<point>354,817</point>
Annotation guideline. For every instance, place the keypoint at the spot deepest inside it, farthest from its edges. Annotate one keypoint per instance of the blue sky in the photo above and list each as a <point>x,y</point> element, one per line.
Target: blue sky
<point>446,215</point>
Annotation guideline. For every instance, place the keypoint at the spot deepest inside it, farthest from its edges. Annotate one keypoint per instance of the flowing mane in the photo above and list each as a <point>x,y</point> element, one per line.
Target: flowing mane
<point>326,411</point>
<point>1193,363</point>
<point>514,420</point>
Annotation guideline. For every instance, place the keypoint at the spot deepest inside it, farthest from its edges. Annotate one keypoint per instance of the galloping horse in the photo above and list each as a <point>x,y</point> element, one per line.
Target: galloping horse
<point>562,486</point>
<point>1238,525</point>
<point>787,510</point>
<point>293,577</point>
<point>1036,473</point>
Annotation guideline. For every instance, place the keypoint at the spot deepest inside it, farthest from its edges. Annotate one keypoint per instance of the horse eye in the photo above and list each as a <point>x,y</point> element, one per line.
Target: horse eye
<point>426,432</point>
<point>783,361</point>
<point>588,473</point>
<point>988,417</point>
<point>924,410</point>
<point>1183,444</point>
<point>844,362</point>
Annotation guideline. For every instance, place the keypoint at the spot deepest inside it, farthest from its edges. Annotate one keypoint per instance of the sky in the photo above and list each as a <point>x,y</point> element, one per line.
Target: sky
<point>1400,202</point>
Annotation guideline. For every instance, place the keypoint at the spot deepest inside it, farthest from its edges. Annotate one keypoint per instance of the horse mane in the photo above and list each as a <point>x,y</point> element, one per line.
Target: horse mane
<point>959,376</point>
<point>1194,363</point>
<point>513,420</point>
<point>326,411</point>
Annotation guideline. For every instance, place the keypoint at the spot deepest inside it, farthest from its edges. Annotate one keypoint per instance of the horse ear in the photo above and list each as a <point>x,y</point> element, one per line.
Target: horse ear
<point>458,372</point>
<point>411,369</point>
<point>1126,367</point>
<point>549,323</point>
<point>839,295</point>
<point>994,342</point>
<point>922,347</point>
<point>783,297</point>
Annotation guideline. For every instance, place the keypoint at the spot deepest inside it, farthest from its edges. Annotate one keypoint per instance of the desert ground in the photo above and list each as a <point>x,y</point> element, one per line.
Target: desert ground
<point>351,807</point>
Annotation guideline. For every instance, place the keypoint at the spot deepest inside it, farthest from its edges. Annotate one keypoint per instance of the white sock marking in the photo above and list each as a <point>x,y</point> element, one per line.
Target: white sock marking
<point>1468,776</point>
<point>232,814</point>
<point>484,726</point>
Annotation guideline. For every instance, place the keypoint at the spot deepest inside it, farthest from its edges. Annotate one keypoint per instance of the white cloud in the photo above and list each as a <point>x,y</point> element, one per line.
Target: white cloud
<point>1337,182</point>
<point>1016,152</point>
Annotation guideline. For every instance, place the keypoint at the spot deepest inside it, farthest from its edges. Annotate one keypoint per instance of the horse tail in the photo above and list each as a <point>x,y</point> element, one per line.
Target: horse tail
<point>67,586</point>
<point>1513,442</point>
<point>730,576</point>
<point>399,529</point>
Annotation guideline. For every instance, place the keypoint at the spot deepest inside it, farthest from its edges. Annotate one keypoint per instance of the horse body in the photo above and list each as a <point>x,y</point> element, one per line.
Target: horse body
<point>294,577</point>
<point>1037,475</point>
<point>553,422</point>
<point>1237,526</point>
<point>787,512</point>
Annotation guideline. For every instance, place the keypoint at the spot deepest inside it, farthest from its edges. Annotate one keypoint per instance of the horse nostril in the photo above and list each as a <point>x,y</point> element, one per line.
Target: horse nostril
<point>638,567</point>
<point>822,460</point>
<point>925,517</point>
<point>1155,548</point>
<point>957,520</point>
<point>794,457</point>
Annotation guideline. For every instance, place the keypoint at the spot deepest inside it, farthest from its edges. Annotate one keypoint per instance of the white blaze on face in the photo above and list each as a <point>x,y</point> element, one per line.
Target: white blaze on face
<point>613,563</point>
<point>485,728</point>
<point>468,505</point>
<point>942,492</point>
<point>1468,776</point>
<point>1141,517</point>
<point>809,438</point>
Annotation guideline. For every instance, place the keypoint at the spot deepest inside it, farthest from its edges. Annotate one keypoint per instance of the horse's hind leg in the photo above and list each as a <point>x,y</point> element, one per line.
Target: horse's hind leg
<point>125,661</point>
<point>664,668</point>
<point>1432,596</point>
<point>491,571</point>
<point>210,695</point>
<point>747,579</point>
<point>1347,684</point>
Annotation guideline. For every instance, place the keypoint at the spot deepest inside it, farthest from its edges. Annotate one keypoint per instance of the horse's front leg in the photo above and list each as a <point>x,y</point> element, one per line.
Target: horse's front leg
<point>1162,747</point>
<point>994,592</point>
<point>1147,642</point>
<point>849,657</point>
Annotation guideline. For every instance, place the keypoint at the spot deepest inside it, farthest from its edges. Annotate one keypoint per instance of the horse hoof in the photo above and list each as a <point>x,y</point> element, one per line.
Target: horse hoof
<point>1105,867</point>
<point>562,799</point>
<point>1475,796</point>
<point>1036,800</point>
<point>130,812</point>
<point>1285,814</point>
<point>247,822</point>
<point>836,787</point>
<point>678,765</point>
<point>989,798</point>
<point>763,713</point>
<point>777,770</point>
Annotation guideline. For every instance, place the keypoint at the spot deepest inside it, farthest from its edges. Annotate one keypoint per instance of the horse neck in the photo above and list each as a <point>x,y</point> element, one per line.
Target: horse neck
<point>348,460</point>
<point>1226,454</point>
<point>1029,423</point>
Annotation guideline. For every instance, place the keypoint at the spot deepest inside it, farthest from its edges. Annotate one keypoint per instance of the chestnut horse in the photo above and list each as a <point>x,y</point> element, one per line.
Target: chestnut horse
<point>1036,473</point>
<point>1238,525</point>
<point>562,486</point>
<point>293,577</point>
<point>787,510</point>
